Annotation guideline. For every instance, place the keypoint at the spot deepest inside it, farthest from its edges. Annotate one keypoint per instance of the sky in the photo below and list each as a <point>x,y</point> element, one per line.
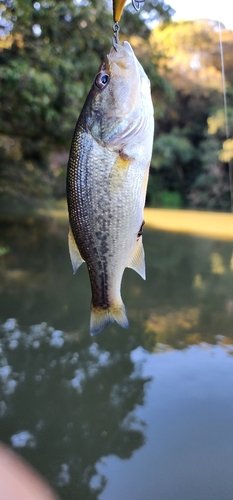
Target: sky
<point>207,9</point>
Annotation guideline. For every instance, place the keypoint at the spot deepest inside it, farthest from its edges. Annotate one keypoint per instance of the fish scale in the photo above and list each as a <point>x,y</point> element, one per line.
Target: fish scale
<point>106,183</point>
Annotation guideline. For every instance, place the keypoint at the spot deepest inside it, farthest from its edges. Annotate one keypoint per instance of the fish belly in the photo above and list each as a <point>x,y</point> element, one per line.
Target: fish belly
<point>106,200</point>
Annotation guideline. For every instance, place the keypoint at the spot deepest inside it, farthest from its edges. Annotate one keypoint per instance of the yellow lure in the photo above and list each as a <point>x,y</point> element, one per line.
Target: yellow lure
<point>118,6</point>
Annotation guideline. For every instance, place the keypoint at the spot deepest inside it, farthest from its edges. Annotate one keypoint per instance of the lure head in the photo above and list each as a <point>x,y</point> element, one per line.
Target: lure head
<point>118,6</point>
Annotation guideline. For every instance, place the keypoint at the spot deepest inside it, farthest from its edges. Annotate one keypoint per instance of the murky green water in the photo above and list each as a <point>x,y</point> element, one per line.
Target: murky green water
<point>138,414</point>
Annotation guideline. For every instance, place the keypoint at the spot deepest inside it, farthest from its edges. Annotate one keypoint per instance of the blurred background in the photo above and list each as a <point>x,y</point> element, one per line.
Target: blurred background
<point>49,53</point>
<point>143,413</point>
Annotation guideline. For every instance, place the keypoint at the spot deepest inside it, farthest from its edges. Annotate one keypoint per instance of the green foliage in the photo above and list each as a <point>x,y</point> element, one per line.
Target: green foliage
<point>139,23</point>
<point>3,251</point>
<point>210,189</point>
<point>171,199</point>
<point>49,53</point>
<point>46,74</point>
<point>183,152</point>
<point>172,150</point>
<point>164,198</point>
<point>174,164</point>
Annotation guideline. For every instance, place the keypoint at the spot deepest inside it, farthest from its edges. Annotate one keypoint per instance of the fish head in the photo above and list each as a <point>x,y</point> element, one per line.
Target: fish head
<point>118,98</point>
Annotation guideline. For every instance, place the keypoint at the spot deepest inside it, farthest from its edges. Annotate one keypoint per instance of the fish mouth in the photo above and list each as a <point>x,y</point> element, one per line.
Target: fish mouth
<point>121,54</point>
<point>120,59</point>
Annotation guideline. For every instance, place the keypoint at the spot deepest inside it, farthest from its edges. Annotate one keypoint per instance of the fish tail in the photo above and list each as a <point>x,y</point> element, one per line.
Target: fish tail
<point>101,317</point>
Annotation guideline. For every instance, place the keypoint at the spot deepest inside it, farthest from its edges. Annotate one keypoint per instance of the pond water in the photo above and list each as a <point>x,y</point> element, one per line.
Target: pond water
<point>138,414</point>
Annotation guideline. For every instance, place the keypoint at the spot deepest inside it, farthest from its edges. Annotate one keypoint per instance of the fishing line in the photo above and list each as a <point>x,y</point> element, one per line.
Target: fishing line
<point>230,165</point>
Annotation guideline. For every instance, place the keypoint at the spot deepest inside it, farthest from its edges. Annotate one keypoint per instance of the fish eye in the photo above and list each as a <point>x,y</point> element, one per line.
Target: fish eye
<point>101,80</point>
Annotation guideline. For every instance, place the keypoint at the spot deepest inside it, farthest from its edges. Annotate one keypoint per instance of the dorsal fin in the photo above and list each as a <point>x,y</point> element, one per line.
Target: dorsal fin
<point>137,260</point>
<point>75,255</point>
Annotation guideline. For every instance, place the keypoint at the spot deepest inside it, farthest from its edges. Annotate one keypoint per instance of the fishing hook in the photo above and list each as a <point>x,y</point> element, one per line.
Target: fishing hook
<point>116,28</point>
<point>136,4</point>
<point>115,38</point>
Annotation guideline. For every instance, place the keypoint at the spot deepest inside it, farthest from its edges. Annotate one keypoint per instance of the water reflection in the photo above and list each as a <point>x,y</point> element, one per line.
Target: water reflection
<point>188,452</point>
<point>66,404</point>
<point>189,286</point>
<point>67,401</point>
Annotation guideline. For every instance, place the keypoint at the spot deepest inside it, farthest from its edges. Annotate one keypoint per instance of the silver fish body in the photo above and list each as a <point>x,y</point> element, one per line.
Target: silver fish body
<point>107,179</point>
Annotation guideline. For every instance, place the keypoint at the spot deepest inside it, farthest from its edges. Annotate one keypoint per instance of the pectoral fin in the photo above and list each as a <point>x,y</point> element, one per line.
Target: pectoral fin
<point>75,255</point>
<point>137,261</point>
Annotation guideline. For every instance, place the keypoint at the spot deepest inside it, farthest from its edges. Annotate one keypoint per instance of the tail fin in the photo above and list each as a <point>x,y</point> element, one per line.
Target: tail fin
<point>101,317</point>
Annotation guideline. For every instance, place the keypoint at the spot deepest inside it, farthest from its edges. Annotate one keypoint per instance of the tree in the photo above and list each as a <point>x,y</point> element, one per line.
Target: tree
<point>49,54</point>
<point>190,60</point>
<point>211,188</point>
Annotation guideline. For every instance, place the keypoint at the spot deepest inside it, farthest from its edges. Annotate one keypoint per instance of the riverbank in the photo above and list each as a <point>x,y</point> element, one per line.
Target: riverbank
<point>205,224</point>
<point>216,225</point>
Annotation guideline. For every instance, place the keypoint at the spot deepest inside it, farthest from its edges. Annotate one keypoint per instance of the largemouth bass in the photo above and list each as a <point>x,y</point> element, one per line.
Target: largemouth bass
<point>107,179</point>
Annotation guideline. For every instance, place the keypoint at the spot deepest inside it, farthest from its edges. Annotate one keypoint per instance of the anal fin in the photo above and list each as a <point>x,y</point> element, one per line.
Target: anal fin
<point>137,260</point>
<point>75,255</point>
